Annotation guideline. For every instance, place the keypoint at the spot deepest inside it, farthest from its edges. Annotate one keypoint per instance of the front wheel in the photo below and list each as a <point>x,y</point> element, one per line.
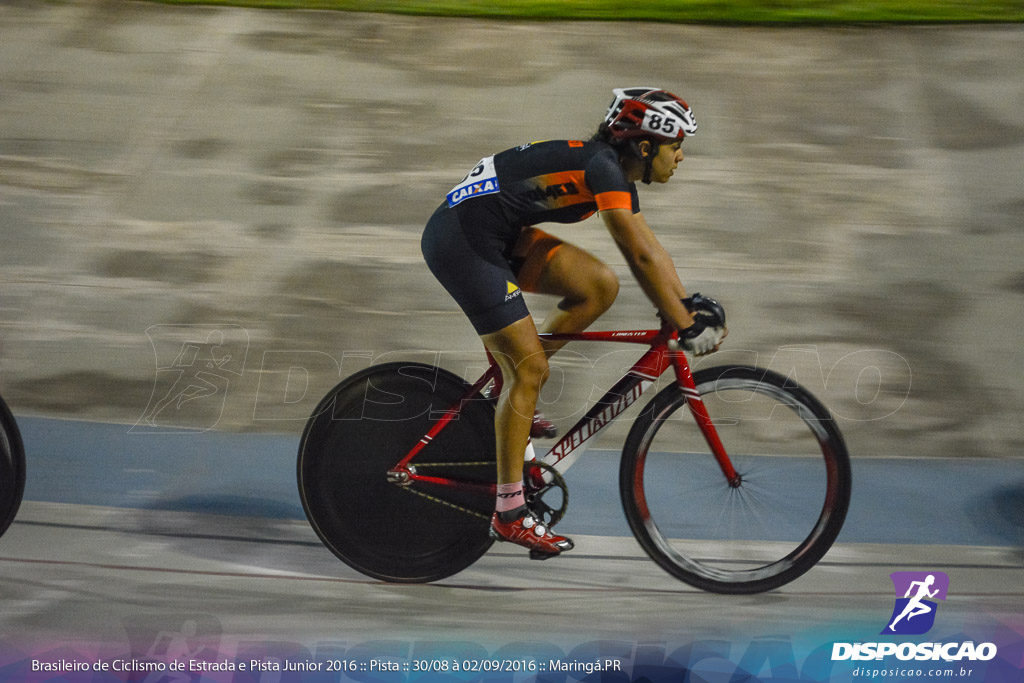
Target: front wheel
<point>12,468</point>
<point>787,508</point>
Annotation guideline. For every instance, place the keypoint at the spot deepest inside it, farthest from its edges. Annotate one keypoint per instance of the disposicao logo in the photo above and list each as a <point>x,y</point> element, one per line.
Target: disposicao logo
<point>914,612</point>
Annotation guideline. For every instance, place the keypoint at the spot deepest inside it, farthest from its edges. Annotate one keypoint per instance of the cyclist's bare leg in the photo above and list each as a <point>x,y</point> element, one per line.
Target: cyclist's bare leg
<point>588,288</point>
<point>524,368</point>
<point>586,285</point>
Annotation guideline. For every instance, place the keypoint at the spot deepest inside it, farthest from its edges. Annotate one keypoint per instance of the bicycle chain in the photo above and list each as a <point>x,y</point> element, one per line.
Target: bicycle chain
<point>435,499</point>
<point>558,481</point>
<point>442,501</point>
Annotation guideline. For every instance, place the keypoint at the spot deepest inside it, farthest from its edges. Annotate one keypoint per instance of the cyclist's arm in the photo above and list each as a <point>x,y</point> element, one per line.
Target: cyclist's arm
<point>651,264</point>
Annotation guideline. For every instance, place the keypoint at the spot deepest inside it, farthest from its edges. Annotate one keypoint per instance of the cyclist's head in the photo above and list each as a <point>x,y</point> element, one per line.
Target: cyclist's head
<point>645,115</point>
<point>649,113</point>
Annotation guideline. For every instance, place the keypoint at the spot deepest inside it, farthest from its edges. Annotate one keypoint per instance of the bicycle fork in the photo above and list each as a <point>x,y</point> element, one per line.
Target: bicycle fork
<point>684,377</point>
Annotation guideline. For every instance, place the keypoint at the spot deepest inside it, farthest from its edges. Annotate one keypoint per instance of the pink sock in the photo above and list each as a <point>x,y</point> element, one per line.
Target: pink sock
<point>510,497</point>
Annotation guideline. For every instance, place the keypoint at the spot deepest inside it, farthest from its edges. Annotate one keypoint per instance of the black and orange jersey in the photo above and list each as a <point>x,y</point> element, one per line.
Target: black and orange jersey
<point>558,181</point>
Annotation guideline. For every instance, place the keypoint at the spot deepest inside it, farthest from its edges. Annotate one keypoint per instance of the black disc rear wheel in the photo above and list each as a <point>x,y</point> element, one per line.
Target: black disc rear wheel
<point>408,533</point>
<point>12,468</point>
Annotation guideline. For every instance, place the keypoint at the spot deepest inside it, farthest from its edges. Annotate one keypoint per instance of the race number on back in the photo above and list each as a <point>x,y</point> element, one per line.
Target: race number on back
<point>480,181</point>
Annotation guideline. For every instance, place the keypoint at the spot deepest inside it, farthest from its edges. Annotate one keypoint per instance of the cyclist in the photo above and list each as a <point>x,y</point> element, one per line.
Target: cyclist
<point>481,244</point>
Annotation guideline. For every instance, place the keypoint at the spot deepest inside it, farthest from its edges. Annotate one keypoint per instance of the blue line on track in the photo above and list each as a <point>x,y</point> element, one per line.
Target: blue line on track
<point>895,500</point>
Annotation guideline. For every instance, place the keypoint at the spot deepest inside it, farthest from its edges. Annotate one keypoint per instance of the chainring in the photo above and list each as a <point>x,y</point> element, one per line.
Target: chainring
<point>536,488</point>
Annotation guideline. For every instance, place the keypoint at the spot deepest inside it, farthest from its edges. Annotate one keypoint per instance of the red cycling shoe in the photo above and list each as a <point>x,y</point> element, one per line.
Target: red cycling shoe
<point>542,428</point>
<point>529,532</point>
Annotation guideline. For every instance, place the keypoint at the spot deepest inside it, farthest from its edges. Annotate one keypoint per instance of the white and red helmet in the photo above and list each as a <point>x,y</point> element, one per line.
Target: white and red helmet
<point>649,112</point>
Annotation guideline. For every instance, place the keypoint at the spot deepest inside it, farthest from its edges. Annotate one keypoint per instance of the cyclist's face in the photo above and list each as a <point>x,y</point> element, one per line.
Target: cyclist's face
<point>664,164</point>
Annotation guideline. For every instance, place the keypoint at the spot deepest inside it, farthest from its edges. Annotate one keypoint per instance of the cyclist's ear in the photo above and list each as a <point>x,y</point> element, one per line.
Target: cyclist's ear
<point>644,148</point>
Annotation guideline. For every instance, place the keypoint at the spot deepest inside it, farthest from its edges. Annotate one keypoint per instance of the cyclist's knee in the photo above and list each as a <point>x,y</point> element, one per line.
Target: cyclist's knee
<point>598,292</point>
<point>605,288</point>
<point>532,371</point>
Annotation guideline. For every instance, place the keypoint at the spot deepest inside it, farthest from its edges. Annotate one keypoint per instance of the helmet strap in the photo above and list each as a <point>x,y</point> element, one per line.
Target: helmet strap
<point>648,160</point>
<point>647,170</point>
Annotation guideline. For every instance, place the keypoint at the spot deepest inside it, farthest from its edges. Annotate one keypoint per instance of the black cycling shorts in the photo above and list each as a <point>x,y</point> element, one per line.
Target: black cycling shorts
<point>475,267</point>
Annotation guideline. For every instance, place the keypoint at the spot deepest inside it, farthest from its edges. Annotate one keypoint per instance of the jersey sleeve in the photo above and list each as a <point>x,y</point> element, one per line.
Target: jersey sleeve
<point>608,183</point>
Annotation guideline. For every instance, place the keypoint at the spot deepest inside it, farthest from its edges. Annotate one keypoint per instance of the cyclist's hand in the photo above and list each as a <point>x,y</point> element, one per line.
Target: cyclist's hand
<point>700,339</point>
<point>708,330</point>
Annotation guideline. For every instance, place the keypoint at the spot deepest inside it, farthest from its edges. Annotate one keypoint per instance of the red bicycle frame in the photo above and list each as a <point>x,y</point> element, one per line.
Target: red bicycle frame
<point>662,353</point>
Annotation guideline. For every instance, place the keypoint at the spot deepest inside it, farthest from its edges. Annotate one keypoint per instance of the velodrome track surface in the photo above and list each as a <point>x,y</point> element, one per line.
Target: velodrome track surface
<point>170,549</point>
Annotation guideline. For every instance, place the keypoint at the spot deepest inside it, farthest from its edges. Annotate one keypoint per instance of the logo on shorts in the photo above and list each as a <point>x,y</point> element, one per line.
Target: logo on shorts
<point>513,291</point>
<point>914,613</point>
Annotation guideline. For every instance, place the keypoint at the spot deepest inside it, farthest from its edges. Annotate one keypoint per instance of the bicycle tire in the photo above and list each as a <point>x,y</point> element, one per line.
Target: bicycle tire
<point>361,429</point>
<point>793,497</point>
<point>12,467</point>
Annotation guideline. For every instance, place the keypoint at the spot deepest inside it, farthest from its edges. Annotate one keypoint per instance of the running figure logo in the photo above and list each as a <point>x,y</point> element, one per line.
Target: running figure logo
<point>195,365</point>
<point>914,613</point>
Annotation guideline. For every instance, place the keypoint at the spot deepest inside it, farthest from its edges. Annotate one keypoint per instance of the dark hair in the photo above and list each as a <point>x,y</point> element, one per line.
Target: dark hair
<point>604,134</point>
<point>629,148</point>
<point>625,147</point>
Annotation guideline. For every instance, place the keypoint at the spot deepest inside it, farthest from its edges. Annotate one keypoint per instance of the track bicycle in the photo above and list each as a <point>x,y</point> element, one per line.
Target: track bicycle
<point>12,467</point>
<point>733,479</point>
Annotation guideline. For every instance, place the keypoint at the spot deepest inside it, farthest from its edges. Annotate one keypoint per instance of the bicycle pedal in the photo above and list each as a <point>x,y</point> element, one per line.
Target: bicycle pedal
<point>537,555</point>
